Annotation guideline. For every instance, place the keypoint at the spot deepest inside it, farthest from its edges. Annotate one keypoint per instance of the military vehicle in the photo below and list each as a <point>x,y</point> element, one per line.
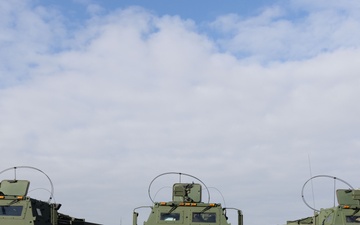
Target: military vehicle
<point>17,208</point>
<point>186,206</point>
<point>346,212</point>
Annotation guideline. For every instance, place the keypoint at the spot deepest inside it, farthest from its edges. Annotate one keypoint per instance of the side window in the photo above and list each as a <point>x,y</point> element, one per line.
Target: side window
<point>204,217</point>
<point>170,216</point>
<point>329,219</point>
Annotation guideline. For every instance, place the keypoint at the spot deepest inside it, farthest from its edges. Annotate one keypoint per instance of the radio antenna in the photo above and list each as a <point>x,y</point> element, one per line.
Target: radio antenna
<point>312,186</point>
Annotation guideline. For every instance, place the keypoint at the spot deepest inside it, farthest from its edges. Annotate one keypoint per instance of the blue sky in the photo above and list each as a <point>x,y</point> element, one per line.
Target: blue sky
<point>103,97</point>
<point>199,11</point>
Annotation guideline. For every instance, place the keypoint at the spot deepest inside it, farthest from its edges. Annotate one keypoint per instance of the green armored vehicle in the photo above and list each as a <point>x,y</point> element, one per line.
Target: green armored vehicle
<point>347,212</point>
<point>186,207</point>
<point>17,208</point>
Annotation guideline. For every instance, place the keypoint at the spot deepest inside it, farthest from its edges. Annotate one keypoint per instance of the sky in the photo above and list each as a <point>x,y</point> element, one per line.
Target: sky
<point>251,97</point>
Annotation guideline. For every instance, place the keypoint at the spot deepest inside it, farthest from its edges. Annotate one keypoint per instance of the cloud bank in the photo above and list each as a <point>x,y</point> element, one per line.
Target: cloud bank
<point>106,105</point>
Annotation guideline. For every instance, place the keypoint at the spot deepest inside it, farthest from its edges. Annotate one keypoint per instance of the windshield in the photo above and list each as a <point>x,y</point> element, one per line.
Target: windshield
<point>11,210</point>
<point>204,217</point>
<point>353,219</point>
<point>170,216</point>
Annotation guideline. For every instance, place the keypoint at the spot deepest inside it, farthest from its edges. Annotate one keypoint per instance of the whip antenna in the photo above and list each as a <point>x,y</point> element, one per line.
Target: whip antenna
<point>312,186</point>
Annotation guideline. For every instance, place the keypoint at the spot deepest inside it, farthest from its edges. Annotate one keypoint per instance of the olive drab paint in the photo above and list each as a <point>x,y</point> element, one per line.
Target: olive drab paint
<point>186,207</point>
<point>17,208</point>
<point>347,212</point>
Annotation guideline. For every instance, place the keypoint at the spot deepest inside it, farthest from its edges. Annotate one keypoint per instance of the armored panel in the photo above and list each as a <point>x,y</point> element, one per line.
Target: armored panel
<point>347,197</point>
<point>356,194</point>
<point>195,193</point>
<point>14,187</point>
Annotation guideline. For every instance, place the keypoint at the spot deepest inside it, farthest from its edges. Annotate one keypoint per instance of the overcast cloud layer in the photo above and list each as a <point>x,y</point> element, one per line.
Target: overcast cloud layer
<point>247,104</point>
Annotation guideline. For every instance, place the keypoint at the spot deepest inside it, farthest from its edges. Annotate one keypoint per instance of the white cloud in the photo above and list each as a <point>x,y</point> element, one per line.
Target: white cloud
<point>27,32</point>
<point>294,34</point>
<point>132,95</point>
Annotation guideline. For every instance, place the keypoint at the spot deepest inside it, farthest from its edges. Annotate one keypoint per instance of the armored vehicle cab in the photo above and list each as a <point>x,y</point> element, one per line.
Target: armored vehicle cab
<point>347,212</point>
<point>17,208</point>
<point>187,207</point>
